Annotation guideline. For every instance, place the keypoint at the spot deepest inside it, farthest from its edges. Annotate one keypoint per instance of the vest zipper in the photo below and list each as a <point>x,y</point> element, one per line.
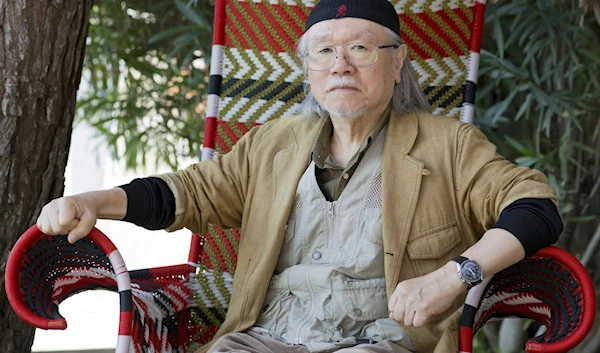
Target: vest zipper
<point>311,313</point>
<point>330,225</point>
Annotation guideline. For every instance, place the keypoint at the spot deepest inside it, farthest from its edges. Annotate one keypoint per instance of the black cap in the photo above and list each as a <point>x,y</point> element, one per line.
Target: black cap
<point>378,11</point>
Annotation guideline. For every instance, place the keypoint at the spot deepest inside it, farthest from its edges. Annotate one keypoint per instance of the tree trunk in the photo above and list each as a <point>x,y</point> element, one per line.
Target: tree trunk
<point>42,45</point>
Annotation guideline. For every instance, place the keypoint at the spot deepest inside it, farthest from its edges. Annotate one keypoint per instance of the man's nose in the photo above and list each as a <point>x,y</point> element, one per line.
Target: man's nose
<point>341,63</point>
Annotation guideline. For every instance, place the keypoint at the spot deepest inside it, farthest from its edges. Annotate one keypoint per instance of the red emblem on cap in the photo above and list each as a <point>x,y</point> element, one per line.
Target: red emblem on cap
<point>341,12</point>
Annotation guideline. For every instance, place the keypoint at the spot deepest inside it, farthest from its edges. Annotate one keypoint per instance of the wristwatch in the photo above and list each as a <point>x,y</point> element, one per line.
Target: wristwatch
<point>468,271</point>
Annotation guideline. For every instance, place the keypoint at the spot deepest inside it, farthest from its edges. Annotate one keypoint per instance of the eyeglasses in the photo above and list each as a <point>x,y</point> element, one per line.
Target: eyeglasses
<point>357,54</point>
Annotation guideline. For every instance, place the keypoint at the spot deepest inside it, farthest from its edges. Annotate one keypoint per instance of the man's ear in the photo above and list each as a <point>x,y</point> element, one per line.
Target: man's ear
<point>400,56</point>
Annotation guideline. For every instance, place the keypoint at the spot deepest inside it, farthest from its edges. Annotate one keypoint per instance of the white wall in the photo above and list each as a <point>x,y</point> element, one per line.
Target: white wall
<point>92,316</point>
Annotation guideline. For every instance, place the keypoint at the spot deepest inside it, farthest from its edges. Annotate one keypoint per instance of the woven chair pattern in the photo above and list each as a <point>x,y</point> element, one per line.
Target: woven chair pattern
<point>158,305</point>
<point>545,289</point>
<point>550,287</point>
<point>42,271</point>
<point>43,264</point>
<point>263,79</point>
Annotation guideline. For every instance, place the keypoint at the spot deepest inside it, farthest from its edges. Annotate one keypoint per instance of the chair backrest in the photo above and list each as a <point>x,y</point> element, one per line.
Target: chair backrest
<point>256,77</point>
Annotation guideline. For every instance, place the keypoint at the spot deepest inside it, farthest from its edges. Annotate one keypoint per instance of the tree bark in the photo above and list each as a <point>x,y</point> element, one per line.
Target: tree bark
<point>42,45</point>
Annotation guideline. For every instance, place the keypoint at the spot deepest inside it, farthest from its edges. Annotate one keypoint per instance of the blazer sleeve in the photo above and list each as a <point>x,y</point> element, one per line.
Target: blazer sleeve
<point>486,182</point>
<point>212,191</point>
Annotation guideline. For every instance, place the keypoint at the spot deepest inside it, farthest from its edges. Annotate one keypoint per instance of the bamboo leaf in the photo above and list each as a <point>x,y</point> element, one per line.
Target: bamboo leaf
<point>516,144</point>
<point>499,38</point>
<point>526,161</point>
<point>191,14</point>
<point>170,32</point>
<point>581,219</point>
<point>585,148</point>
<point>524,107</point>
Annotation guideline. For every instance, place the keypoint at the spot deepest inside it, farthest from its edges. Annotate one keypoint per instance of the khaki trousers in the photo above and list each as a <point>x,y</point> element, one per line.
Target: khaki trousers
<point>252,342</point>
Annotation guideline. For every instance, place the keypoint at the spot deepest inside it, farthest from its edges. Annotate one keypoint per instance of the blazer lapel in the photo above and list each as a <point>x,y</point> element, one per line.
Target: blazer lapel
<point>401,181</point>
<point>289,166</point>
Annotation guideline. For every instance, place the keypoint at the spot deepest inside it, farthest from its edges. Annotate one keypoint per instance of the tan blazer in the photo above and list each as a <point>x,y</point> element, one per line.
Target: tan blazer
<point>444,185</point>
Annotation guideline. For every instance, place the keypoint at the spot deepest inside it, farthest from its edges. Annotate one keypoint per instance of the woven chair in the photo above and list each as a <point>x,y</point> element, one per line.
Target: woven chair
<point>550,287</point>
<point>255,77</point>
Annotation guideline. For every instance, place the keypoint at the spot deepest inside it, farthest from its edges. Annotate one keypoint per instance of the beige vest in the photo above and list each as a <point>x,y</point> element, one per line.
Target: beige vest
<point>329,286</point>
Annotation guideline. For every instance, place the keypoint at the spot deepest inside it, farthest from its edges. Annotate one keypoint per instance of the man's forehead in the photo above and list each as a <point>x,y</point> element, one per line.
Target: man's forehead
<point>331,35</point>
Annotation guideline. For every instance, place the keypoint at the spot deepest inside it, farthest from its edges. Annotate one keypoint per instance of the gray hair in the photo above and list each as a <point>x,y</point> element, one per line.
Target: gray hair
<point>407,96</point>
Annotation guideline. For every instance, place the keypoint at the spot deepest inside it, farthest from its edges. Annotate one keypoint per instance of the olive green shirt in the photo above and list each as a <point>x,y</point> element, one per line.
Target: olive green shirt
<point>333,178</point>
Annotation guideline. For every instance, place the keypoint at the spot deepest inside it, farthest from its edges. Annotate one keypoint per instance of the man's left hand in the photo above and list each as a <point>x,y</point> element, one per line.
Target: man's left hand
<point>416,300</point>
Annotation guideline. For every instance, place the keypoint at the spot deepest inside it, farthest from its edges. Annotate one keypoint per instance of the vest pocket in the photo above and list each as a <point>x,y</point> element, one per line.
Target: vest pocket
<point>434,243</point>
<point>366,301</point>
<point>273,310</point>
<point>273,303</point>
<point>371,226</point>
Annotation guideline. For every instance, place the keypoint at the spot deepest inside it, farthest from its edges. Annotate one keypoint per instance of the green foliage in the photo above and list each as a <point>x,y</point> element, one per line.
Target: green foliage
<point>145,79</point>
<point>538,95</point>
<point>480,344</point>
<point>538,100</point>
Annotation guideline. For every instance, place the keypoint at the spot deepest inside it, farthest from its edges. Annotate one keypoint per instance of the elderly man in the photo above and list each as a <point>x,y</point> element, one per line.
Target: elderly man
<point>364,220</point>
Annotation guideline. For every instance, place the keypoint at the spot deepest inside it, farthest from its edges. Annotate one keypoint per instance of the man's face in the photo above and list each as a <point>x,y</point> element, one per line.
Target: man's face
<point>345,90</point>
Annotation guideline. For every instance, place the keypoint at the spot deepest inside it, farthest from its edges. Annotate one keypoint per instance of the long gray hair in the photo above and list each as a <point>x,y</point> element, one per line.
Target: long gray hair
<point>407,96</point>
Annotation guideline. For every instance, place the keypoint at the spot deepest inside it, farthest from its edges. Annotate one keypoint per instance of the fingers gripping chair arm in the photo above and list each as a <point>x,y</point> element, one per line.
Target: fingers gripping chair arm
<point>550,287</point>
<point>43,270</point>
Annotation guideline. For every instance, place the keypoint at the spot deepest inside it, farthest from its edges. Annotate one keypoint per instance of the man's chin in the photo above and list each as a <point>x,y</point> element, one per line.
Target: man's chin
<point>346,111</point>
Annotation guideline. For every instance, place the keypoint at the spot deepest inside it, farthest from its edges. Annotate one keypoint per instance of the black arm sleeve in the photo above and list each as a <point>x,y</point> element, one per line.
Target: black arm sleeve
<point>150,203</point>
<point>535,222</point>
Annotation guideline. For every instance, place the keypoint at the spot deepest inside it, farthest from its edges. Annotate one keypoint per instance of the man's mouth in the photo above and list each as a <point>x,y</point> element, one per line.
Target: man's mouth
<point>343,88</point>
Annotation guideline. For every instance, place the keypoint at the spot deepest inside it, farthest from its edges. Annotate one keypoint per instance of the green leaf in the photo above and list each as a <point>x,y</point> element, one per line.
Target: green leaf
<point>585,148</point>
<point>581,219</point>
<point>499,37</point>
<point>170,32</point>
<point>566,208</point>
<point>516,144</point>
<point>525,106</point>
<point>543,99</point>
<point>499,110</point>
<point>555,185</point>
<point>526,161</point>
<point>184,39</point>
<point>191,14</point>
<point>577,164</point>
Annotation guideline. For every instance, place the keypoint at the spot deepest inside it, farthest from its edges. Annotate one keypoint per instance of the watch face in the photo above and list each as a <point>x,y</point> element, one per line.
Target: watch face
<point>471,271</point>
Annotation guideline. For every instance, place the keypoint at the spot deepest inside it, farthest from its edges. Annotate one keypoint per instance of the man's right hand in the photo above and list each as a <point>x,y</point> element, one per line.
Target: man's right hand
<point>76,215</point>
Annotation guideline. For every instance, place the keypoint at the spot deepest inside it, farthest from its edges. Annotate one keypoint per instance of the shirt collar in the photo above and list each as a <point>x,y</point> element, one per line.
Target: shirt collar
<point>321,153</point>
